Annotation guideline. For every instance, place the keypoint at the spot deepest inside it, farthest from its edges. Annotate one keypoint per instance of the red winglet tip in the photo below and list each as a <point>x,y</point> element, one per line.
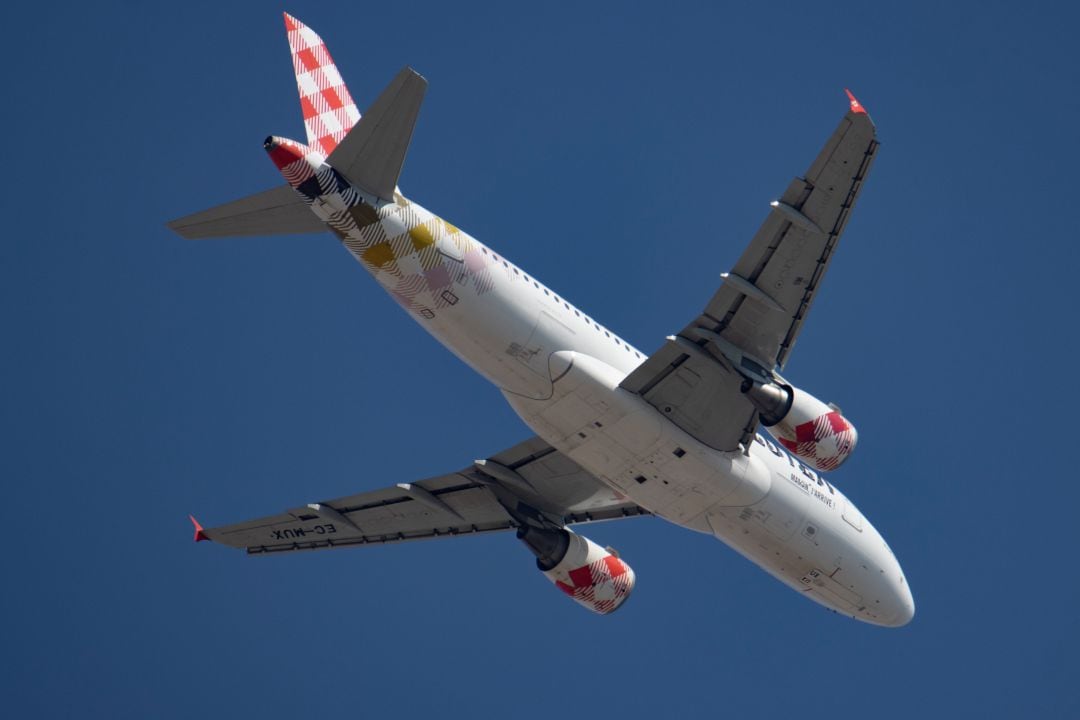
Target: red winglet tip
<point>291,23</point>
<point>856,106</point>
<point>200,534</point>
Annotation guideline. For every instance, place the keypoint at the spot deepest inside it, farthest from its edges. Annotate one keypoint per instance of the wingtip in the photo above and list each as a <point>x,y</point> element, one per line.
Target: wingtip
<point>856,106</point>
<point>291,23</point>
<point>200,534</point>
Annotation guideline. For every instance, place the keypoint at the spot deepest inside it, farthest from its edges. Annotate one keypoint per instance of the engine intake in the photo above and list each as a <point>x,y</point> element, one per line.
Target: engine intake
<point>591,576</point>
<point>808,428</point>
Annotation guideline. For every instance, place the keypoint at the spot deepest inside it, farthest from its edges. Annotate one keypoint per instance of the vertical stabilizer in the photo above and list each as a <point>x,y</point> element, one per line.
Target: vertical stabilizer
<point>329,110</point>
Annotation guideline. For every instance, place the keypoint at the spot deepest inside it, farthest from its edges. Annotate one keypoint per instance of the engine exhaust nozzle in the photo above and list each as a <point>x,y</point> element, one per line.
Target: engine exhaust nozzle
<point>772,401</point>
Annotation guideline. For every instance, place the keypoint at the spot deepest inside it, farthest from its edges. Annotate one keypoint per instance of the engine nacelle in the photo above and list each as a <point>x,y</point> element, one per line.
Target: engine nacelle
<point>807,427</point>
<point>592,576</point>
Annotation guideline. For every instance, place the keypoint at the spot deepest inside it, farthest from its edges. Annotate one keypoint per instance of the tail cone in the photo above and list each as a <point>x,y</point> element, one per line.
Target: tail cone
<point>295,161</point>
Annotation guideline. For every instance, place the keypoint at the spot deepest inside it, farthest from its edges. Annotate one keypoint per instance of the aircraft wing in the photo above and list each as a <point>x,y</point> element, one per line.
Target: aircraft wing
<point>750,325</point>
<point>530,482</point>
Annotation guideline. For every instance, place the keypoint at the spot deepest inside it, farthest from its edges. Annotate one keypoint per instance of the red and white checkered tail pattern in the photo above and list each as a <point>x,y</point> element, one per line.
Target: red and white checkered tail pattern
<point>329,110</point>
<point>594,577</point>
<point>824,442</point>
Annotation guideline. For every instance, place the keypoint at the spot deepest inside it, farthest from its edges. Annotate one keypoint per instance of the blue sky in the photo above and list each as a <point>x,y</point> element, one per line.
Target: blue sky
<point>624,154</point>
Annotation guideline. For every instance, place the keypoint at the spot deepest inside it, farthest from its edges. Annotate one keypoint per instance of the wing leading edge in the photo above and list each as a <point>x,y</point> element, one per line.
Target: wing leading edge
<point>751,323</point>
<point>532,480</point>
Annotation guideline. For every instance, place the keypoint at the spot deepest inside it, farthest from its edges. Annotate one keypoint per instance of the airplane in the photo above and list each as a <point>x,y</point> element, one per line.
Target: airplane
<point>619,434</point>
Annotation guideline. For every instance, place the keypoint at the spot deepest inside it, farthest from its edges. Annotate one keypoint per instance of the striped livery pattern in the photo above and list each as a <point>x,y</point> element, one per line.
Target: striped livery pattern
<point>825,441</point>
<point>601,585</point>
<point>296,162</point>
<point>424,262</point>
<point>329,110</point>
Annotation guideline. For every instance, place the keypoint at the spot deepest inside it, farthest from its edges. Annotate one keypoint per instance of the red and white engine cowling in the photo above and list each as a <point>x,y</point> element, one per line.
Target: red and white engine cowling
<point>811,430</point>
<point>593,577</point>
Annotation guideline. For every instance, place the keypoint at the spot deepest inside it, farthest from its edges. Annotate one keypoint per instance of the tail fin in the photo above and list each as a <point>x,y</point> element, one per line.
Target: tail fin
<point>329,110</point>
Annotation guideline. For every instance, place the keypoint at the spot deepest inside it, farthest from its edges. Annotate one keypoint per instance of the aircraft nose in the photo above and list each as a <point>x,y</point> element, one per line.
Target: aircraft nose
<point>906,610</point>
<point>902,603</point>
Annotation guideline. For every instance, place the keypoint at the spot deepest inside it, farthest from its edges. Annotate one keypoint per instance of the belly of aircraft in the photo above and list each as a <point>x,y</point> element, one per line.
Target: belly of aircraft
<point>743,499</point>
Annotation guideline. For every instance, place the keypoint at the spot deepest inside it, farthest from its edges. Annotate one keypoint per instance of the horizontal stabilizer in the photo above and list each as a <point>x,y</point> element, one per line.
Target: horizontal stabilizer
<point>371,155</point>
<point>280,211</point>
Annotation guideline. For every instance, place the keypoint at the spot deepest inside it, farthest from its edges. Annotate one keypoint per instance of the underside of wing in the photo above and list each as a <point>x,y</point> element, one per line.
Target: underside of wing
<point>696,392</point>
<point>747,330</point>
<point>764,300</point>
<point>531,479</point>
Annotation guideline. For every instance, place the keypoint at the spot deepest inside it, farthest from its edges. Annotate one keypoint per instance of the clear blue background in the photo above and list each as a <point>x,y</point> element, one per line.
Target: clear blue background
<point>625,155</point>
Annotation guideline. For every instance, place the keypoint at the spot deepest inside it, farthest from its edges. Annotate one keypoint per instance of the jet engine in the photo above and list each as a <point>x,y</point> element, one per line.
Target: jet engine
<point>811,430</point>
<point>592,576</point>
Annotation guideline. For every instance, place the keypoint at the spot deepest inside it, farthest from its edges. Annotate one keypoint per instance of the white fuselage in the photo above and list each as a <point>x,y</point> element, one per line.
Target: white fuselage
<point>560,371</point>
